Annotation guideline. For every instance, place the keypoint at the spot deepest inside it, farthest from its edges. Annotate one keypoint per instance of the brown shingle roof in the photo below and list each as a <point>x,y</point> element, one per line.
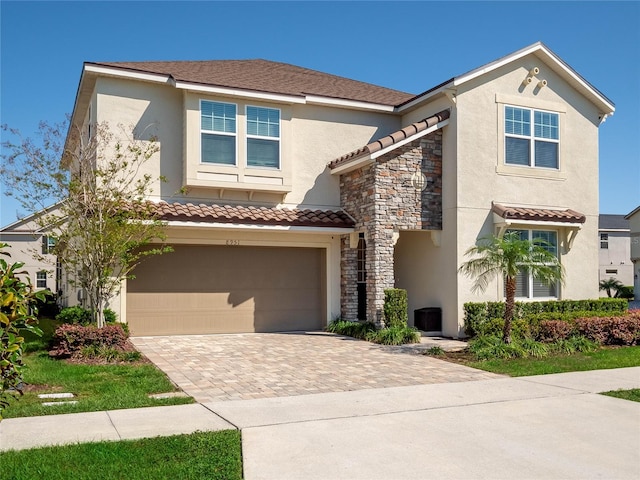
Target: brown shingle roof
<point>538,214</point>
<point>392,139</point>
<point>266,76</point>
<point>253,215</point>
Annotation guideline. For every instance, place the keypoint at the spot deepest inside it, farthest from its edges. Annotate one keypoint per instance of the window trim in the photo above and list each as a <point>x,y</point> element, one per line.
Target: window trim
<point>531,137</point>
<point>262,137</point>
<point>530,297</point>
<point>215,132</point>
<point>39,279</point>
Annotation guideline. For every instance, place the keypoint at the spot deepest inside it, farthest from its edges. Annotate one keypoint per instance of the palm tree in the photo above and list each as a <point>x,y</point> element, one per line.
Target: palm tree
<point>508,256</point>
<point>611,284</point>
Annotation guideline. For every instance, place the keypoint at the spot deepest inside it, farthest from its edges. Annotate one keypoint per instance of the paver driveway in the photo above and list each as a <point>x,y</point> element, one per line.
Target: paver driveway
<point>260,365</point>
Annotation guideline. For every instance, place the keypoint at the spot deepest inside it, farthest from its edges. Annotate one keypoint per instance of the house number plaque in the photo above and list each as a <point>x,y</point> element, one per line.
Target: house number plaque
<point>233,243</point>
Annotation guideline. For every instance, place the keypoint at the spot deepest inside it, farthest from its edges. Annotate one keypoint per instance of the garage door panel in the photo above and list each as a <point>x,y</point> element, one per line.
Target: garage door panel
<point>216,289</point>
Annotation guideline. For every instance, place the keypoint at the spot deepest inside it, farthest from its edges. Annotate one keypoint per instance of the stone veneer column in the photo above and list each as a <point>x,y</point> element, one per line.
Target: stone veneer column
<point>383,201</point>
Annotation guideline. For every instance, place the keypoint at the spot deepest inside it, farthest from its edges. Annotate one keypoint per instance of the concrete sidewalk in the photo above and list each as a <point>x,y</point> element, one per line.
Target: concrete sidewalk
<point>548,426</point>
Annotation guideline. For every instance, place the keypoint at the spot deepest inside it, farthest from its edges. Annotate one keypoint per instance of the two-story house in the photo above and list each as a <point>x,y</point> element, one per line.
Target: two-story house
<point>306,195</point>
<point>615,248</point>
<point>28,243</point>
<point>634,226</point>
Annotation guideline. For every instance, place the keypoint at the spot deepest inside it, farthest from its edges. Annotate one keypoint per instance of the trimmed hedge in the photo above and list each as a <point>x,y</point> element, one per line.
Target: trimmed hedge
<point>476,314</point>
<point>70,340</point>
<point>82,316</point>
<point>395,307</point>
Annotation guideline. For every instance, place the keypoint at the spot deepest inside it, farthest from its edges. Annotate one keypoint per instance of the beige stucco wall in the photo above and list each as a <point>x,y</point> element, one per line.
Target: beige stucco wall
<point>311,136</point>
<point>22,247</point>
<point>483,177</point>
<point>474,176</point>
<point>616,258</point>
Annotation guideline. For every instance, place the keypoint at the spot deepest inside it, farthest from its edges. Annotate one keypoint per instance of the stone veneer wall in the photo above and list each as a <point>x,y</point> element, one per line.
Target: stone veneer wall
<point>382,200</point>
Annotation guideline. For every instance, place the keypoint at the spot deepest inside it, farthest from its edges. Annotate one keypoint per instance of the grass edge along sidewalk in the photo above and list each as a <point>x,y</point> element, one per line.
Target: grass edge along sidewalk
<point>211,455</point>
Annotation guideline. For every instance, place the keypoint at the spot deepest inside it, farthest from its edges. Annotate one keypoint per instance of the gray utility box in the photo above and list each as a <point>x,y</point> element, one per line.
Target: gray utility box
<point>428,319</point>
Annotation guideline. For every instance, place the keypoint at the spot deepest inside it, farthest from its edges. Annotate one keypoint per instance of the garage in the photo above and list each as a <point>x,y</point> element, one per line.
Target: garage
<point>200,289</point>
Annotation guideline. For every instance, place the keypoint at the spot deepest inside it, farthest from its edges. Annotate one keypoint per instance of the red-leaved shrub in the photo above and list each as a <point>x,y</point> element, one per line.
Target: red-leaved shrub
<point>553,330</point>
<point>69,340</point>
<point>611,330</point>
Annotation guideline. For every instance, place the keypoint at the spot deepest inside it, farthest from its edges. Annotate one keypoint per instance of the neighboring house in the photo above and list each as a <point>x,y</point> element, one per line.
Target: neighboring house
<point>306,195</point>
<point>30,245</point>
<point>615,248</point>
<point>634,227</point>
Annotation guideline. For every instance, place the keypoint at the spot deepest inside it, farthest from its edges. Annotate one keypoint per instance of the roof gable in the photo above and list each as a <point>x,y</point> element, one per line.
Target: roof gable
<point>541,51</point>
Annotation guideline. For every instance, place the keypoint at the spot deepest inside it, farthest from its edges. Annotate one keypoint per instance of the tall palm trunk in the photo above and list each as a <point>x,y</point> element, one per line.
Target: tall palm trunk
<point>509,308</point>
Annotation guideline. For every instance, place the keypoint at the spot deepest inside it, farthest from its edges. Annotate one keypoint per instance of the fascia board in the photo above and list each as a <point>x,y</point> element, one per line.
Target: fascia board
<point>535,49</point>
<point>352,165</point>
<point>258,228</point>
<point>116,72</point>
<point>338,102</point>
<point>423,98</point>
<point>193,87</point>
<point>390,148</point>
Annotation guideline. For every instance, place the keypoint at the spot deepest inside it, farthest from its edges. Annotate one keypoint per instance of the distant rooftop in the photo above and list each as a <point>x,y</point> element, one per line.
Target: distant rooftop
<point>612,222</point>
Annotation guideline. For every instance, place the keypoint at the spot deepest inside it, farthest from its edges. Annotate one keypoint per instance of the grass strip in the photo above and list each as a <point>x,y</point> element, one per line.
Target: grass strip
<point>201,455</point>
<point>633,394</point>
<point>96,387</point>
<point>604,358</point>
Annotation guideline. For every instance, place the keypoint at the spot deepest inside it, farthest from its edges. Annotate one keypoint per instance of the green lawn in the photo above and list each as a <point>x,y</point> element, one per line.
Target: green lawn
<point>601,359</point>
<point>202,455</point>
<point>96,387</point>
<point>633,394</point>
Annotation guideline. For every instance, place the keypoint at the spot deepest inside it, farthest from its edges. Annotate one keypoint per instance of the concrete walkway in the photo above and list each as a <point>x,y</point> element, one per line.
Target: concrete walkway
<point>547,426</point>
<point>268,365</point>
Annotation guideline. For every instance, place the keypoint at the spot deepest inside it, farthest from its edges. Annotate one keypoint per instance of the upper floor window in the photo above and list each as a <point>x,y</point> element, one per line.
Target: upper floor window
<point>528,286</point>
<point>218,132</point>
<point>531,137</point>
<point>263,137</point>
<point>48,243</point>
<point>604,240</point>
<point>41,279</point>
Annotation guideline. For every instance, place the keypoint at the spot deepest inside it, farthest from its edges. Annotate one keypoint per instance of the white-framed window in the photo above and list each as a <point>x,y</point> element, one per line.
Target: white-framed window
<point>218,132</point>
<point>263,137</point>
<point>527,286</point>
<point>604,240</point>
<point>41,279</point>
<point>48,243</point>
<point>532,137</point>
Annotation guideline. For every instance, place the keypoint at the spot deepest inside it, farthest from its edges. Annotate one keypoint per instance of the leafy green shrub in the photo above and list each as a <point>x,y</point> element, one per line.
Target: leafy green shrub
<point>489,347</point>
<point>110,354</point>
<point>395,335</point>
<point>520,328</point>
<point>477,313</point>
<point>82,316</point>
<point>573,344</point>
<point>434,351</point>
<point>626,292</point>
<point>351,329</point>
<point>71,340</point>
<point>395,307</point>
<point>18,314</point>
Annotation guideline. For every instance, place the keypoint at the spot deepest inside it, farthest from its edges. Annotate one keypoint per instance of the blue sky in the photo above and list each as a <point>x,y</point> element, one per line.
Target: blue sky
<point>409,46</point>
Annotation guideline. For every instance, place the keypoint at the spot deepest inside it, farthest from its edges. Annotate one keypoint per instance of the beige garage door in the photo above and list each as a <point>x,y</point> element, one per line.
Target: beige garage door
<point>220,289</point>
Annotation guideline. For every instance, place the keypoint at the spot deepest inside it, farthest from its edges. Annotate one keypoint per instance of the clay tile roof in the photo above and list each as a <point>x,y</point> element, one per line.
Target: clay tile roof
<point>392,139</point>
<point>253,215</point>
<point>266,76</point>
<point>538,214</point>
